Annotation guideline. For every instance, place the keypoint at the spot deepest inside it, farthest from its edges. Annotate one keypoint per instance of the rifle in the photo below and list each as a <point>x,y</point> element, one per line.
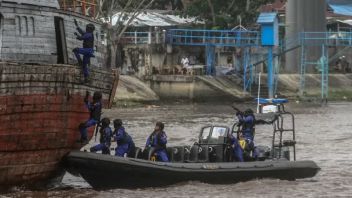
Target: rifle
<point>236,109</point>
<point>96,131</point>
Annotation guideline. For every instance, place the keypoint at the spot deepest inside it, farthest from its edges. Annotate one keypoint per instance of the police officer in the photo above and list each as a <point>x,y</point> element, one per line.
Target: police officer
<point>236,148</point>
<point>125,144</point>
<point>94,108</point>
<point>246,136</point>
<point>88,47</point>
<point>247,122</point>
<point>105,138</point>
<point>158,140</point>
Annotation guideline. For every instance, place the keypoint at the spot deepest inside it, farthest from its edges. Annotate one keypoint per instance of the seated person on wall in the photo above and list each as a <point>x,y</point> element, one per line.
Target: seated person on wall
<point>125,144</point>
<point>105,138</point>
<point>158,140</point>
<point>185,64</point>
<point>94,108</point>
<point>246,135</point>
<point>88,47</point>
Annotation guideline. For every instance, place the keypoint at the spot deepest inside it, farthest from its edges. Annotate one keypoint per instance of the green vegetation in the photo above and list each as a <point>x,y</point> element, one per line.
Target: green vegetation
<point>226,13</point>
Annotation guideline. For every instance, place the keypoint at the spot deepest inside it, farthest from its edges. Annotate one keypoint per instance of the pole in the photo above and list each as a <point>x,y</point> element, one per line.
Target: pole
<point>259,82</point>
<point>270,73</point>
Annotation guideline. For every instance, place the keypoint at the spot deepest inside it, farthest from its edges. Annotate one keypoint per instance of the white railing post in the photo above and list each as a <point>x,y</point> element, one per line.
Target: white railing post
<point>259,82</point>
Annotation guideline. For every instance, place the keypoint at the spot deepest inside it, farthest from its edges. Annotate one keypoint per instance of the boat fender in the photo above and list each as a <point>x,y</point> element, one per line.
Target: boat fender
<point>175,151</point>
<point>200,149</point>
<point>211,149</point>
<point>187,150</point>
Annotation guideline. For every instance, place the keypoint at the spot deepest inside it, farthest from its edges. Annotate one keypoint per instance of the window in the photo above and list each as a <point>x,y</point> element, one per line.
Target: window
<point>24,26</point>
<point>218,131</point>
<point>205,133</point>
<point>18,25</point>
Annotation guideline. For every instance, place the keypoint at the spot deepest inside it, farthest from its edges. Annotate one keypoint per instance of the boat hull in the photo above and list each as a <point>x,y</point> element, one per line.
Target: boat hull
<point>105,172</point>
<point>41,107</point>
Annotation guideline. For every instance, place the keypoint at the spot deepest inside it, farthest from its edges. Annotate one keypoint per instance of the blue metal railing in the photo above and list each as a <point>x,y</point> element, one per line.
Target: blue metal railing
<point>326,38</point>
<point>213,37</point>
<point>142,38</point>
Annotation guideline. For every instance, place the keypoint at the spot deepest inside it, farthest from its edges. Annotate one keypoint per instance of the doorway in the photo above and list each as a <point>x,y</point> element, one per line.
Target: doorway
<point>62,57</point>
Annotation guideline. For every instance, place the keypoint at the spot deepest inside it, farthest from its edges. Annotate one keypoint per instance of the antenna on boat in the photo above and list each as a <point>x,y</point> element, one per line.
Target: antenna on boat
<point>260,73</point>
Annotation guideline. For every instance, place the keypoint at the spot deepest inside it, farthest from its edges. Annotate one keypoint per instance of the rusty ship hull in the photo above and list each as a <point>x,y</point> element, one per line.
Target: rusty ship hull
<point>41,89</point>
<point>41,107</point>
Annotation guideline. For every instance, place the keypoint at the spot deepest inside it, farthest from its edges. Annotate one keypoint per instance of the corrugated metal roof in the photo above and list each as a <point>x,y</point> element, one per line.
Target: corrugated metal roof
<point>343,7</point>
<point>268,17</point>
<point>154,19</point>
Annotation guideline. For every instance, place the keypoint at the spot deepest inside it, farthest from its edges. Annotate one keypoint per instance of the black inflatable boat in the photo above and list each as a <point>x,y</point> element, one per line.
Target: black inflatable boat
<point>208,160</point>
<point>104,171</point>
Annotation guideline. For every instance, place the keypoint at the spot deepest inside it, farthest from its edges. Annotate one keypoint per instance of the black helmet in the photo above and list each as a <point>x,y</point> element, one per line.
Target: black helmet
<point>97,96</point>
<point>90,28</point>
<point>160,125</point>
<point>248,112</point>
<point>117,123</point>
<point>105,122</point>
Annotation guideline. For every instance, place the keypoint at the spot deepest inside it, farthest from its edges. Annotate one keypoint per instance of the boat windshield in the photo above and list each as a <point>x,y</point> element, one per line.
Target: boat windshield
<point>205,133</point>
<point>218,131</point>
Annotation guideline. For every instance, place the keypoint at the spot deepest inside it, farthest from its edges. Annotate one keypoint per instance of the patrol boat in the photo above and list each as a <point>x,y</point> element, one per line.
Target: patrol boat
<point>41,90</point>
<point>209,160</point>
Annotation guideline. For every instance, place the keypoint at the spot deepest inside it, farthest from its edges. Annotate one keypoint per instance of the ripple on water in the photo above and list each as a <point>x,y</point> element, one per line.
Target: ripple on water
<point>323,135</point>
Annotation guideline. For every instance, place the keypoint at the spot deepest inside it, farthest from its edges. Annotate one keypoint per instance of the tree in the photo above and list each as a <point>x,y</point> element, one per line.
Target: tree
<point>225,13</point>
<point>128,11</point>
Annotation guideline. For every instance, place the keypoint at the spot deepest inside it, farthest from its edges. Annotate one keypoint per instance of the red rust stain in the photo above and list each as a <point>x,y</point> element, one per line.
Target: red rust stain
<point>36,131</point>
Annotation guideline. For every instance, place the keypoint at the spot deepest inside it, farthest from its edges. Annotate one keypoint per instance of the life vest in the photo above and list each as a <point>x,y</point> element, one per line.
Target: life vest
<point>126,138</point>
<point>159,144</point>
<point>95,111</point>
<point>105,136</point>
<point>89,43</point>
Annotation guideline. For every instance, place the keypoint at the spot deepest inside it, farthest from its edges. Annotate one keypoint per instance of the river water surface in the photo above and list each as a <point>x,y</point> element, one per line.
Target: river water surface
<point>323,134</point>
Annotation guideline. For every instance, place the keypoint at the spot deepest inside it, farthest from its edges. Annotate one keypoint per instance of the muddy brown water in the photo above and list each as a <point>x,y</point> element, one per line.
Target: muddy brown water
<point>323,133</point>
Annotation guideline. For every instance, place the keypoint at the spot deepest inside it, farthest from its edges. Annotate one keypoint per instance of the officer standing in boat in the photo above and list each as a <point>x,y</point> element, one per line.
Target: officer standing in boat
<point>105,138</point>
<point>94,108</point>
<point>247,121</point>
<point>246,137</point>
<point>125,144</point>
<point>88,47</point>
<point>158,140</point>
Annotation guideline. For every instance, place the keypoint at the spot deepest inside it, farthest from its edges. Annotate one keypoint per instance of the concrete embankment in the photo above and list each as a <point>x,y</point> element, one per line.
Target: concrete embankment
<point>132,89</point>
<point>340,86</point>
<point>224,88</point>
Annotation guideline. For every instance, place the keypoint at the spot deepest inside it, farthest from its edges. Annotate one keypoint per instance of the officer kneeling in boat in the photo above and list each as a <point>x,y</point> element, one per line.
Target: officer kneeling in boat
<point>125,144</point>
<point>105,138</point>
<point>157,140</point>
<point>246,136</point>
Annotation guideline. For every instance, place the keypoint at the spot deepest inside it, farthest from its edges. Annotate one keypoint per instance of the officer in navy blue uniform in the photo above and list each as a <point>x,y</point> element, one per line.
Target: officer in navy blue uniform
<point>94,108</point>
<point>247,122</point>
<point>125,144</point>
<point>158,140</point>
<point>88,47</point>
<point>105,138</point>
